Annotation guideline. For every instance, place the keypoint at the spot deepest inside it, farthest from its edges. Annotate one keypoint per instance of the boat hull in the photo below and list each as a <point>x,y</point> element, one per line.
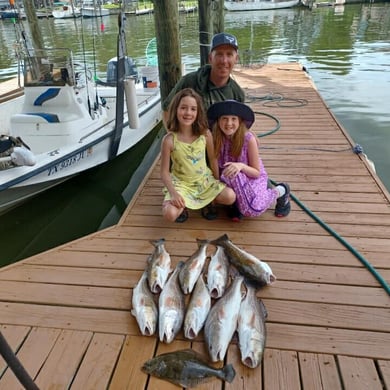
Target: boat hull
<point>259,5</point>
<point>91,12</point>
<point>21,183</point>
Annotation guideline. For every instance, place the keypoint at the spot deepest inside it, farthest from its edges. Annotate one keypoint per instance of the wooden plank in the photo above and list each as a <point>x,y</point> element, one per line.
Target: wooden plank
<point>65,357</point>
<point>99,362</point>
<point>359,374</point>
<point>336,316</point>
<point>319,372</point>
<point>327,293</point>
<point>32,355</point>
<point>329,340</point>
<point>128,375</point>
<point>71,276</point>
<point>72,318</point>
<point>14,335</point>
<point>246,378</point>
<point>281,370</point>
<point>66,295</point>
<point>384,367</point>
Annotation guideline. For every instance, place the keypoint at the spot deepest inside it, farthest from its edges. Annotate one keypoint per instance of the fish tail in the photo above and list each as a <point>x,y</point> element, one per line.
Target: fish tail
<point>201,242</point>
<point>220,239</point>
<point>228,373</point>
<point>157,243</point>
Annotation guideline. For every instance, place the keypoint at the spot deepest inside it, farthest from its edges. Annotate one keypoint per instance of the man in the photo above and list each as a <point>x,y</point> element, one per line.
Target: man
<point>212,81</point>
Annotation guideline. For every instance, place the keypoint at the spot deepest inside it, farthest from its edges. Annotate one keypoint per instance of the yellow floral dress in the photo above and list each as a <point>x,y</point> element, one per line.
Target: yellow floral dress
<point>191,176</point>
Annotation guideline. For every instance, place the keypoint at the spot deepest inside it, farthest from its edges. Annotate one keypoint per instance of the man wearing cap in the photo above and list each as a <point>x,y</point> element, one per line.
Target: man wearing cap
<point>212,81</point>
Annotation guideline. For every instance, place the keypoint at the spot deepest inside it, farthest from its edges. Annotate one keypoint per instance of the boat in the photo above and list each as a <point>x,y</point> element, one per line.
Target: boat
<point>93,9</point>
<point>255,5</point>
<point>66,12</point>
<point>68,123</point>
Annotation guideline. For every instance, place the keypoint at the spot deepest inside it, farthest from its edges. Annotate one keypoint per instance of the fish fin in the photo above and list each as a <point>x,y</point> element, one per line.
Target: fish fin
<point>202,241</point>
<point>263,308</point>
<point>229,373</point>
<point>222,238</point>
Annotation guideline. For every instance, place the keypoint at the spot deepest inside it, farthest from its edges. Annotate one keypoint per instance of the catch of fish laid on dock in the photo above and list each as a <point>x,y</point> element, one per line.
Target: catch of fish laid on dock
<point>232,310</point>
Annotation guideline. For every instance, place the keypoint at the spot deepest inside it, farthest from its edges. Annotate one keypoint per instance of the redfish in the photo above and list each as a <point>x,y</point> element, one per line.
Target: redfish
<point>159,266</point>
<point>144,309</point>
<point>221,323</point>
<point>251,329</point>
<point>171,306</point>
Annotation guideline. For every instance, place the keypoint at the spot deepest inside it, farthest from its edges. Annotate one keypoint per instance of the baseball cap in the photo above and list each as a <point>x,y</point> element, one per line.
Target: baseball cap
<point>223,39</point>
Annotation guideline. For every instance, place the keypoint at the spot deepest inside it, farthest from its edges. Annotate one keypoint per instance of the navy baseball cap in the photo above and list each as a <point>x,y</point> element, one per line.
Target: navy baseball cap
<point>223,39</point>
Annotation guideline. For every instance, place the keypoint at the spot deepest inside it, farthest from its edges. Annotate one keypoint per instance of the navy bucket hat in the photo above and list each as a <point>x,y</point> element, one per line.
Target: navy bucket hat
<point>230,107</point>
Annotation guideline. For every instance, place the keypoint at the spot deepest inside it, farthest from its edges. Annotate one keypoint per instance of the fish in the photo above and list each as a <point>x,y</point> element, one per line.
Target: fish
<point>159,266</point>
<point>256,272</point>
<point>171,306</point>
<point>218,273</point>
<point>251,329</point>
<point>193,267</point>
<point>186,368</point>
<point>144,308</point>
<point>197,310</point>
<point>221,323</point>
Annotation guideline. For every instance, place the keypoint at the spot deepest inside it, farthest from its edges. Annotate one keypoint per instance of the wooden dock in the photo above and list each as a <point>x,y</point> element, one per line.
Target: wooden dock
<point>66,312</point>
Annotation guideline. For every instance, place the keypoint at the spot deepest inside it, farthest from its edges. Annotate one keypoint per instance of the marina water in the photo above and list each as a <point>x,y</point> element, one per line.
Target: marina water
<point>346,51</point>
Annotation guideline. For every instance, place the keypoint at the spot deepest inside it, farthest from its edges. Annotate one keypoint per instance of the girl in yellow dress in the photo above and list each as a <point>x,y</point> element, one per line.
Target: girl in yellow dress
<point>189,182</point>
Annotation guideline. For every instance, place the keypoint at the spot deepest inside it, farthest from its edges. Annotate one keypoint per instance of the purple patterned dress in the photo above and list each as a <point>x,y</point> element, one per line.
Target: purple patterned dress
<point>253,195</point>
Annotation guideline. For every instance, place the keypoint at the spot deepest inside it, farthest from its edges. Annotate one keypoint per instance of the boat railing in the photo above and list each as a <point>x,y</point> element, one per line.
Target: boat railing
<point>49,67</point>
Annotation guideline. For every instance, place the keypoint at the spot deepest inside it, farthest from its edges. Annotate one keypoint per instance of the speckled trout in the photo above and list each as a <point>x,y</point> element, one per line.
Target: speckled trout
<point>159,266</point>
<point>144,309</point>
<point>193,267</point>
<point>221,323</point>
<point>254,270</point>
<point>171,307</point>
<point>251,329</point>
<point>197,310</point>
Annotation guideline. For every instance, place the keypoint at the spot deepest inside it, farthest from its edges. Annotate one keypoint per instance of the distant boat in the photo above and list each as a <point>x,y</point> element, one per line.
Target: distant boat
<point>66,12</point>
<point>255,5</point>
<point>93,9</point>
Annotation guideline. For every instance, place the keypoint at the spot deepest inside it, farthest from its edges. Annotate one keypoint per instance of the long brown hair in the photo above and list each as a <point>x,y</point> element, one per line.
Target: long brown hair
<point>200,125</point>
<point>237,139</point>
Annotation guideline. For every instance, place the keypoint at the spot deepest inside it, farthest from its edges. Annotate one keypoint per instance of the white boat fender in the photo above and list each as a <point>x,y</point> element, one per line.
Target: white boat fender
<point>22,156</point>
<point>131,102</point>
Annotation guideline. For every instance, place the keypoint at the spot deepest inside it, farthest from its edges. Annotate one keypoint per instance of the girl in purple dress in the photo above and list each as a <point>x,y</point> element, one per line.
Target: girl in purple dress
<point>240,165</point>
